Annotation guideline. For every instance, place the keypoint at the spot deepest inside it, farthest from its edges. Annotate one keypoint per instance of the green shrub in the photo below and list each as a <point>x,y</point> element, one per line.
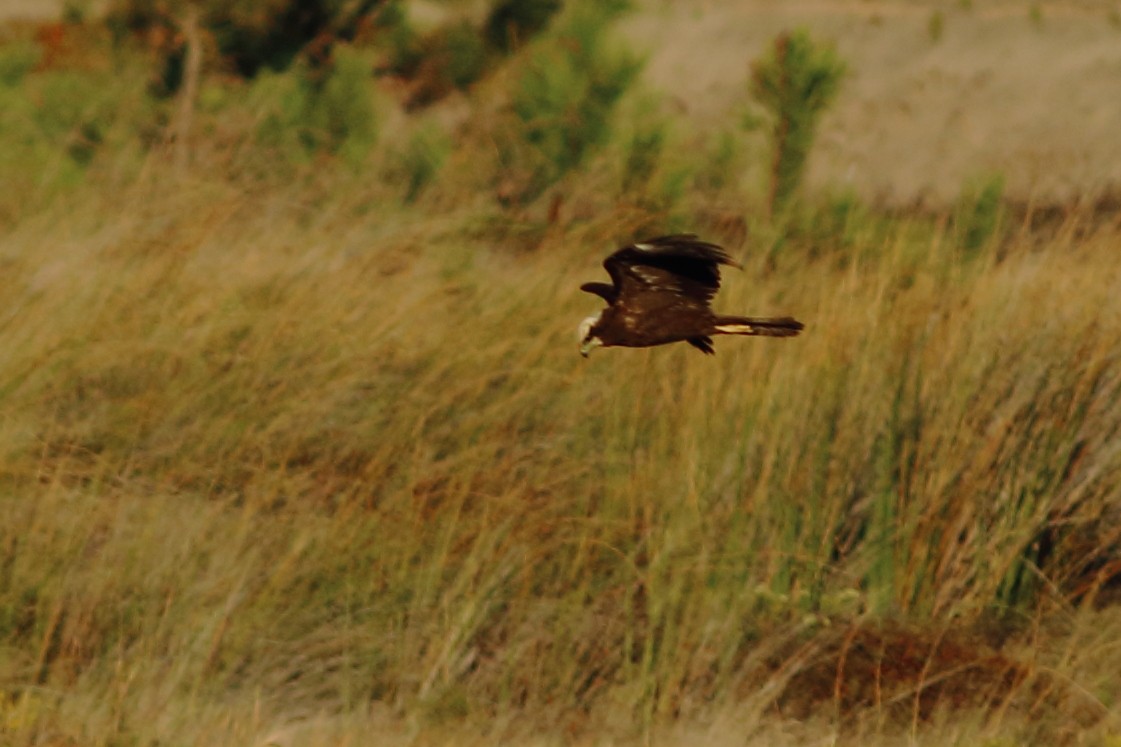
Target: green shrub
<point>277,102</point>
<point>794,82</point>
<point>1035,15</point>
<point>715,171</point>
<point>76,12</point>
<point>834,221</point>
<point>299,114</point>
<point>936,25</point>
<point>643,152</point>
<point>55,124</point>
<point>979,215</point>
<point>17,59</point>
<point>466,55</point>
<point>654,172</point>
<point>343,109</point>
<point>564,97</point>
<point>452,57</point>
<point>397,38</point>
<point>422,159</point>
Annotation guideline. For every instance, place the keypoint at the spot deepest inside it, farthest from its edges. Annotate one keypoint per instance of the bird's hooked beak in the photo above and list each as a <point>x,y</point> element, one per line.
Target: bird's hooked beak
<point>589,345</point>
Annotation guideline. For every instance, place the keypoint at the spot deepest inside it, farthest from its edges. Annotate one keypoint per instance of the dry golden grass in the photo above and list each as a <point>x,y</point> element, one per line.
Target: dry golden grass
<point>266,465</point>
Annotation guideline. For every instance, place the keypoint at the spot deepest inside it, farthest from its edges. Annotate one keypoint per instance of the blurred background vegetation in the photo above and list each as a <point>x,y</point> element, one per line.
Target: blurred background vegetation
<point>293,434</point>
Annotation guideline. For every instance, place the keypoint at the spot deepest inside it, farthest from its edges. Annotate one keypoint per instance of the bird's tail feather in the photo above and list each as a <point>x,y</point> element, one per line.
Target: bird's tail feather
<point>783,326</point>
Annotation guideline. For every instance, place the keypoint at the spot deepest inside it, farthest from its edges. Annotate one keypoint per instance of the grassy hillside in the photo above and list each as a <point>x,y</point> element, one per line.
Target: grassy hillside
<point>295,440</point>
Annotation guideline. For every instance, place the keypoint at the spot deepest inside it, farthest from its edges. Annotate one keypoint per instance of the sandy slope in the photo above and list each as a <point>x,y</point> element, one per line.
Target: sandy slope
<point>1038,100</point>
<point>30,8</point>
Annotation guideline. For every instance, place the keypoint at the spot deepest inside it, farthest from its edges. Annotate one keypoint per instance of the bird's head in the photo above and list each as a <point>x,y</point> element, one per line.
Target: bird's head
<point>588,340</point>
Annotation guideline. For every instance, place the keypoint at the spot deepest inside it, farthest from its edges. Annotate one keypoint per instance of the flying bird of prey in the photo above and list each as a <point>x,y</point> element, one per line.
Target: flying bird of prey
<point>660,293</point>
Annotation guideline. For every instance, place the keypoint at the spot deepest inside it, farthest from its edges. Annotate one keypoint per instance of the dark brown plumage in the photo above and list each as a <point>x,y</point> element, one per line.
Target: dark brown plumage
<point>660,293</point>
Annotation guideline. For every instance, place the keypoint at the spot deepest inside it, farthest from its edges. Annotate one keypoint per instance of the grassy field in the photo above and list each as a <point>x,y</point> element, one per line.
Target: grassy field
<point>299,450</point>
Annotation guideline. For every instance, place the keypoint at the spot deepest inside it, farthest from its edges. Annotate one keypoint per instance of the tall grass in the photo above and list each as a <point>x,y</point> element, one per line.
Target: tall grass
<point>313,463</point>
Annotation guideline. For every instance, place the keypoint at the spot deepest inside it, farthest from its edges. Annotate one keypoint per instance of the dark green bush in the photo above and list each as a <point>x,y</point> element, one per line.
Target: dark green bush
<point>466,55</point>
<point>251,35</point>
<point>398,40</point>
<point>512,22</point>
<point>452,57</point>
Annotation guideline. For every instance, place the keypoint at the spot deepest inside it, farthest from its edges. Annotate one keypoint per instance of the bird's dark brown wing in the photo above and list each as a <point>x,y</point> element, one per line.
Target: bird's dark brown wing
<point>680,265</point>
<point>603,290</point>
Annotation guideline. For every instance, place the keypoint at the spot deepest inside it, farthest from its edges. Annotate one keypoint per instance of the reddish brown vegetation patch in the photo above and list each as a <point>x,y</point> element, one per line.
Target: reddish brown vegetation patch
<point>910,674</point>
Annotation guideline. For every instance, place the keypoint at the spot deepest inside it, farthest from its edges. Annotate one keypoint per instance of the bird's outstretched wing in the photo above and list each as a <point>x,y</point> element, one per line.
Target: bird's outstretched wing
<point>680,264</point>
<point>603,290</point>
